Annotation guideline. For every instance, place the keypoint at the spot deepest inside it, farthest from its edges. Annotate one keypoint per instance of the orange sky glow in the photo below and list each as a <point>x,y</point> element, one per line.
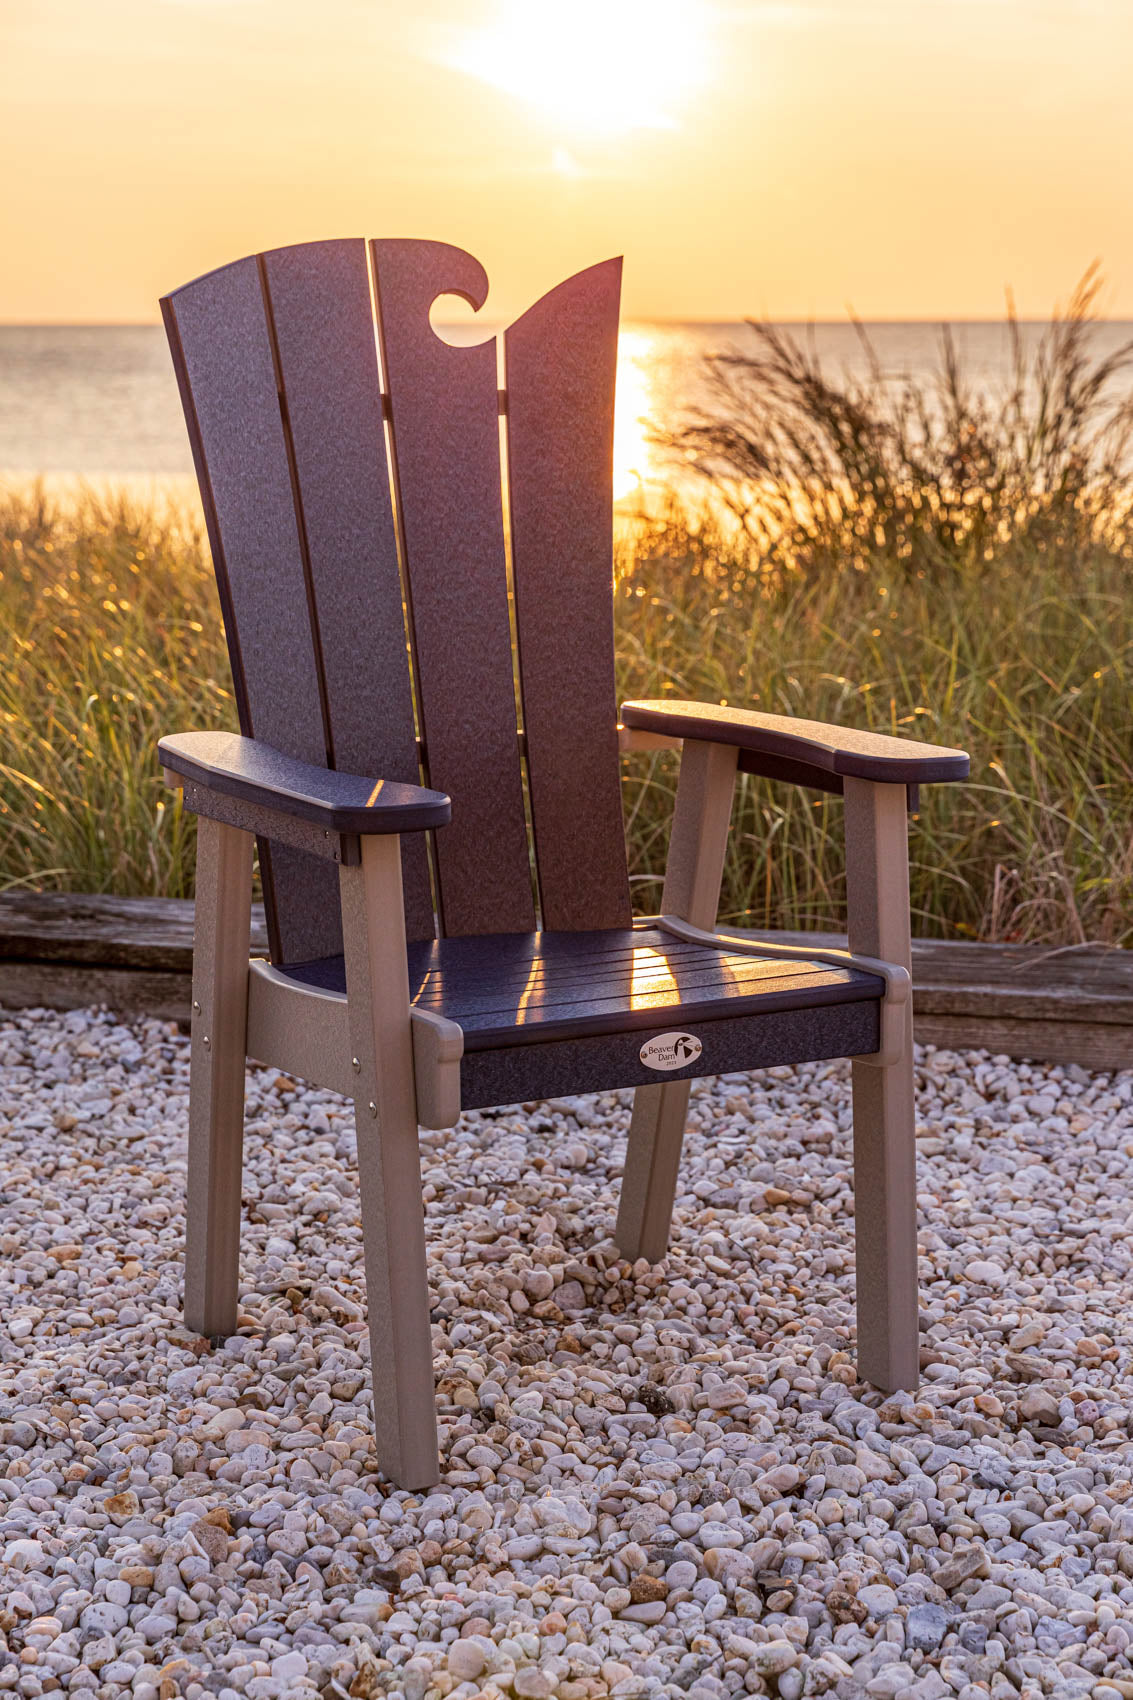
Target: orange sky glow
<point>905,158</point>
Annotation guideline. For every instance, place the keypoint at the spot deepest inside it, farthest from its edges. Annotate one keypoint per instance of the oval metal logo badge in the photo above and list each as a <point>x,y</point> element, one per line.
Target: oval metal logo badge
<point>670,1050</point>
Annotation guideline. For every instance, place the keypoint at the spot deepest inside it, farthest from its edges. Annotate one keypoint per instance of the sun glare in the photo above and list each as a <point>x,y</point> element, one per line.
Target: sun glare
<point>598,67</point>
<point>633,454</point>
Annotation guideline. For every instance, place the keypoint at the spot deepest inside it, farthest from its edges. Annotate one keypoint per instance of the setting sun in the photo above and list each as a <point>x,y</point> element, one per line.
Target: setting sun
<point>604,67</point>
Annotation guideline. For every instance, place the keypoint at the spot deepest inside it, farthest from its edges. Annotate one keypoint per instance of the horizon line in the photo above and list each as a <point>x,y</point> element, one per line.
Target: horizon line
<point>848,320</point>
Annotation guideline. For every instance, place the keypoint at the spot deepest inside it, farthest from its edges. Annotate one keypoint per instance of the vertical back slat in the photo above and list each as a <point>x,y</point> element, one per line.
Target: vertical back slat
<point>444,413</point>
<point>222,352</point>
<point>319,297</point>
<point>560,359</point>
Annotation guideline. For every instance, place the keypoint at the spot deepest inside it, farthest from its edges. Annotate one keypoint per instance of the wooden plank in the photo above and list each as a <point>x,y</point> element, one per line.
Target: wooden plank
<point>560,359</point>
<point>319,296</point>
<point>1079,983</point>
<point>445,432</point>
<point>142,933</point>
<point>1090,983</point>
<point>1091,1044</point>
<point>222,352</point>
<point>65,950</point>
<point>63,985</point>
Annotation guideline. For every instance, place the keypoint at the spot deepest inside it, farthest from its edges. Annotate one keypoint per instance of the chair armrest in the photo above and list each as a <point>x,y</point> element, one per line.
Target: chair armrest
<point>227,765</point>
<point>789,746</point>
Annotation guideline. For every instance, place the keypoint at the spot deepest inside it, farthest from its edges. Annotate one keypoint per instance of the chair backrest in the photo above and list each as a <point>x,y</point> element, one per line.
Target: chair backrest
<point>362,523</point>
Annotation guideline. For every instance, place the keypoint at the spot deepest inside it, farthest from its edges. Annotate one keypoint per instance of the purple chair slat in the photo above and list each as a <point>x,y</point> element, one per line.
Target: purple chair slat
<point>443,403</point>
<point>319,294</point>
<point>560,359</point>
<point>222,352</point>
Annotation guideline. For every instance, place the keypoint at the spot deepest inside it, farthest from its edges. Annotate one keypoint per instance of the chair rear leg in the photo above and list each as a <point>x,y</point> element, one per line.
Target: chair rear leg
<point>216,1077</point>
<point>693,870</point>
<point>653,1155</point>
<point>885,1217</point>
<point>389,1167</point>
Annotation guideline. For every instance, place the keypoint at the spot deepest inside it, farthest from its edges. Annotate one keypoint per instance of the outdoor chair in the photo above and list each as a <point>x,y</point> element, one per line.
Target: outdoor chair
<point>376,539</point>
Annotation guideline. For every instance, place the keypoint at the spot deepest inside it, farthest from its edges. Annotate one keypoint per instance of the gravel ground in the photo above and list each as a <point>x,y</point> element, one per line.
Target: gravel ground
<point>656,1481</point>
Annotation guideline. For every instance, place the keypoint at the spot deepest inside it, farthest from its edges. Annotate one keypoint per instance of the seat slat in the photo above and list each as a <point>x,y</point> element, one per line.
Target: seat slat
<point>525,1003</point>
<point>560,360</point>
<point>459,978</point>
<point>565,988</point>
<point>638,968</point>
<point>444,412</point>
<point>437,987</point>
<point>324,328</point>
<point>583,984</point>
<point>552,951</point>
<point>497,1013</point>
<point>223,357</point>
<point>610,1015</point>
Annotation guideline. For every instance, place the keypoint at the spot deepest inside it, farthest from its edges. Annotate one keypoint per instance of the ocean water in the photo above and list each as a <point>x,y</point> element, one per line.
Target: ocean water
<point>99,403</point>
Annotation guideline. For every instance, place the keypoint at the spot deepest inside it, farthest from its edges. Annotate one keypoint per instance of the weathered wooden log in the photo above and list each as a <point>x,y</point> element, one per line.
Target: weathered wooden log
<point>64,950</point>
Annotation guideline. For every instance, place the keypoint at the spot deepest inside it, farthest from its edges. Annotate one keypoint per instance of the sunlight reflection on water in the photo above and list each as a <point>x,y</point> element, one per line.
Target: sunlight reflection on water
<point>658,378</point>
<point>636,459</point>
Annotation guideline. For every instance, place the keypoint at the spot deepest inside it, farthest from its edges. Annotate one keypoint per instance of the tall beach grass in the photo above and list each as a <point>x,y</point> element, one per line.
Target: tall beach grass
<point>1031,674</point>
<point>955,568</point>
<point>945,561</point>
<point>110,635</point>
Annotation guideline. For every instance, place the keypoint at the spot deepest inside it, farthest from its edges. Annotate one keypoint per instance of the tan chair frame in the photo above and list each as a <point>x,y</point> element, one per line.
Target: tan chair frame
<point>401,1067</point>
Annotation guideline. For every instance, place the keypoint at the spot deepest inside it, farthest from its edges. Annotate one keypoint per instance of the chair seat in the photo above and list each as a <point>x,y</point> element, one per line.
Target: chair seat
<point>582,999</point>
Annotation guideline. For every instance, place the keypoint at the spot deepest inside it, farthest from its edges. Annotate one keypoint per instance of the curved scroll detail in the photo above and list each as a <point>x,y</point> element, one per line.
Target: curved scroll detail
<point>418,273</point>
<point>560,362</point>
<point>445,422</point>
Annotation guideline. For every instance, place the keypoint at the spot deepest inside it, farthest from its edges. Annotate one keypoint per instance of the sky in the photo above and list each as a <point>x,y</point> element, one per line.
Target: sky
<point>905,159</point>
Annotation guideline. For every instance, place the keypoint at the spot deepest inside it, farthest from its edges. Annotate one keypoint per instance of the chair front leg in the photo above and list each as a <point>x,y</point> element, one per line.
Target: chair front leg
<point>219,1026</point>
<point>885,1184</point>
<point>693,871</point>
<point>389,1165</point>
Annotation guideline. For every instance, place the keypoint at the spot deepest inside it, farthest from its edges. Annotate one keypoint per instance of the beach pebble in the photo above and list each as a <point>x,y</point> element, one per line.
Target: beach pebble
<point>648,1611</point>
<point>773,1657</point>
<point>964,1564</point>
<point>1036,1405</point>
<point>657,1482</point>
<point>466,1661</point>
<point>926,1627</point>
<point>878,1600</point>
<point>104,1617</point>
<point>532,1684</point>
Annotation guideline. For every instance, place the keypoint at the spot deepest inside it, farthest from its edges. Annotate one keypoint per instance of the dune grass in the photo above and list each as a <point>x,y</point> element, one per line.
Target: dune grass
<point>111,636</point>
<point>953,567</point>
<point>1032,675</point>
<point>947,560</point>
